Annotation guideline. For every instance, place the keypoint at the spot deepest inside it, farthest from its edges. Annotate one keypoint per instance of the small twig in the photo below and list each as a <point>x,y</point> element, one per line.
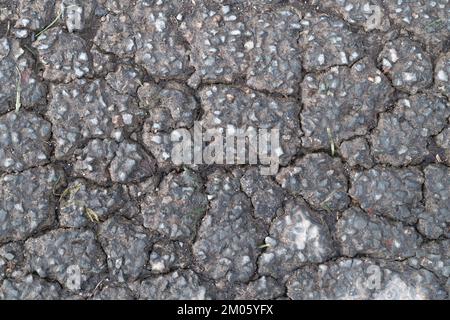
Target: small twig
<point>8,27</point>
<point>70,191</point>
<point>435,25</point>
<point>30,50</point>
<point>326,207</point>
<point>330,136</point>
<point>97,286</point>
<point>58,16</point>
<point>18,89</point>
<point>92,215</point>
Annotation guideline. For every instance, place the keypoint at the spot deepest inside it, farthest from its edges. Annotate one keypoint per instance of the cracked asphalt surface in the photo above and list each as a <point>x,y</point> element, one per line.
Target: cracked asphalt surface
<point>93,207</point>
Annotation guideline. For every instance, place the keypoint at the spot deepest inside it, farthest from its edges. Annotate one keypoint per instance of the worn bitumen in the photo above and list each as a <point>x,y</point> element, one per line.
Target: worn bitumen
<point>92,206</point>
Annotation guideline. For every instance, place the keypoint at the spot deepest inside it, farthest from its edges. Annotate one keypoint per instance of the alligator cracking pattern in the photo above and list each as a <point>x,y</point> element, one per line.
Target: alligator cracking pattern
<point>92,207</point>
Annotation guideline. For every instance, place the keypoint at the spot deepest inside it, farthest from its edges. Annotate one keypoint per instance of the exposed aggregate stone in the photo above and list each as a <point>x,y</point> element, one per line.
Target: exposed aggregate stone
<point>170,108</point>
<point>319,179</point>
<point>82,200</point>
<point>24,141</point>
<point>21,216</point>
<point>89,109</point>
<point>369,14</point>
<point>435,220</point>
<point>131,163</point>
<point>342,103</point>
<point>93,161</point>
<point>442,74</point>
<point>434,256</point>
<point>267,197</point>
<point>58,253</point>
<point>326,41</point>
<point>443,141</point>
<point>154,42</point>
<point>115,292</point>
<point>16,66</point>
<point>352,279</point>
<point>103,161</point>
<point>125,80</point>
<point>178,285</point>
<point>63,55</point>
<point>225,106</point>
<point>125,245</point>
<point>427,20</point>
<point>93,204</point>
<point>34,15</point>
<point>228,238</point>
<point>401,136</point>
<point>169,255</point>
<point>78,15</point>
<point>407,64</point>
<point>12,261</point>
<point>374,236</point>
<point>297,237</point>
<point>29,288</point>
<point>177,207</point>
<point>390,192</point>
<point>115,35</point>
<point>217,40</point>
<point>159,47</point>
<point>264,288</point>
<point>275,57</point>
<point>357,152</point>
